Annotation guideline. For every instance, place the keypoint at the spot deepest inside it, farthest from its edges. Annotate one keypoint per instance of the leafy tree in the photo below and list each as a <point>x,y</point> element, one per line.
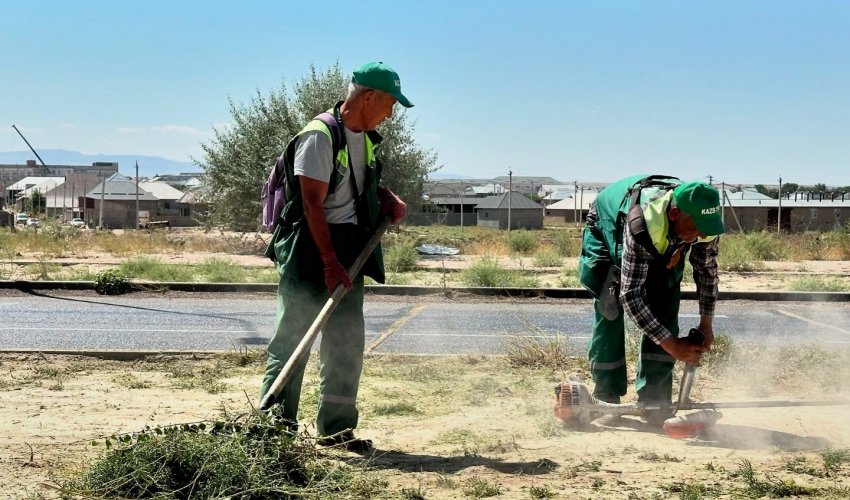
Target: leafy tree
<point>35,202</point>
<point>238,159</point>
<point>761,188</point>
<point>790,187</point>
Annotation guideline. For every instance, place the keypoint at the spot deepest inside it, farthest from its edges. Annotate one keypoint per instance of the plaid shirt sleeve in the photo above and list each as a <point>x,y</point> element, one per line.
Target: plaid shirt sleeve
<point>635,270</point>
<point>704,261</point>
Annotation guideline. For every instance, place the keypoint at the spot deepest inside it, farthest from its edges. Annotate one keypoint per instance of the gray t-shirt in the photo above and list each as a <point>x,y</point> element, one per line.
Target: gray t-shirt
<point>314,159</point>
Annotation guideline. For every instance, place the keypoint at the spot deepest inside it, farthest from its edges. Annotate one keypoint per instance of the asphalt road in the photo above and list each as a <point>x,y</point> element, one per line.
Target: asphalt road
<point>52,321</point>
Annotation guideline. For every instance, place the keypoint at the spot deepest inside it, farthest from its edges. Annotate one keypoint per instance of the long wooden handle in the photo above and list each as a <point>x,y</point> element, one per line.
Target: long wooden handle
<point>306,343</point>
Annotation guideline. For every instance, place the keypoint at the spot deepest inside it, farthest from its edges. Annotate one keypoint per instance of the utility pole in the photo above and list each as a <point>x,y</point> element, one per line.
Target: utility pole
<point>137,196</point>
<point>581,203</point>
<point>510,192</point>
<point>710,179</point>
<point>102,197</point>
<point>85,201</point>
<point>575,202</point>
<point>779,209</point>
<point>722,204</point>
<point>64,195</point>
<point>461,205</point>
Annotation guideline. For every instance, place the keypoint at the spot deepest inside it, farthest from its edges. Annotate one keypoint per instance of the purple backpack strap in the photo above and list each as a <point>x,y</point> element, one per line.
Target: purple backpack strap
<point>274,189</point>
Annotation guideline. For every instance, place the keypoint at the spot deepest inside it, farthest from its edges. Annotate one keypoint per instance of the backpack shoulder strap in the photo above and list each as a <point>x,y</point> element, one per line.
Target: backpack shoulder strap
<point>634,218</point>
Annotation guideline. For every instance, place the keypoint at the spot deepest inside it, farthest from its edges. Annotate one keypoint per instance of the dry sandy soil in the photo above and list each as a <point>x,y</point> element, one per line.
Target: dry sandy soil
<point>475,421</point>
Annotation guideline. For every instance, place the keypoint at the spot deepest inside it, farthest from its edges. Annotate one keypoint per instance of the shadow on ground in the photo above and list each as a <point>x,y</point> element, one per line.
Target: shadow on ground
<point>735,437</point>
<point>408,462</point>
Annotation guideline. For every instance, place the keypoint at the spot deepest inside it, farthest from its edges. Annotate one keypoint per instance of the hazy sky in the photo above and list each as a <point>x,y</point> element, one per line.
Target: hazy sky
<point>588,90</point>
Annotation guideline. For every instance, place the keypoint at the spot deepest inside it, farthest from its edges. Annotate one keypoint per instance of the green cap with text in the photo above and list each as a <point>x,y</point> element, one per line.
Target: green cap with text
<point>379,76</point>
<point>701,201</point>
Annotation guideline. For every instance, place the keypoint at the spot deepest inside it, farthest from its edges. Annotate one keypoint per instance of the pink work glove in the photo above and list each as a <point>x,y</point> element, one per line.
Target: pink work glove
<point>335,274</point>
<point>391,205</point>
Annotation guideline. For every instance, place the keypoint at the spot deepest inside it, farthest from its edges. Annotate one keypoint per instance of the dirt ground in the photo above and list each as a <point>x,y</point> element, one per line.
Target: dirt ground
<point>467,423</point>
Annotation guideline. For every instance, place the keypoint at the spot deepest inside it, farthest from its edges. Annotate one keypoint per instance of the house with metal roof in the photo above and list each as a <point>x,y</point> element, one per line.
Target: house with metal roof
<point>796,215</point>
<point>574,208</point>
<point>523,213</point>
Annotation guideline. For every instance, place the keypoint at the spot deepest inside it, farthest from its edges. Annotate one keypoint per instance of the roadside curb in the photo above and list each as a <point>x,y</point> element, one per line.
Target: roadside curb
<point>109,355</point>
<point>404,290</point>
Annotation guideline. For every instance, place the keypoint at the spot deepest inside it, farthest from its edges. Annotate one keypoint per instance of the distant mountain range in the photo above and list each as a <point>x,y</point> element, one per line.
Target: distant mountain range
<point>148,165</point>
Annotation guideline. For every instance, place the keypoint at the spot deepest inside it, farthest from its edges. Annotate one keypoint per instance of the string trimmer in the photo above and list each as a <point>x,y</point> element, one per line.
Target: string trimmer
<point>306,343</point>
<point>574,404</point>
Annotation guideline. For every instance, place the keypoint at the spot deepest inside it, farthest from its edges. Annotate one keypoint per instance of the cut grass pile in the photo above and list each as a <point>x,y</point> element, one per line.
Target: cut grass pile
<point>251,457</point>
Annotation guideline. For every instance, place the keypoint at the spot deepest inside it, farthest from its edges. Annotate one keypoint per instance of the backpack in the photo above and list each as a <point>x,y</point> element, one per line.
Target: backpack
<point>634,217</point>
<point>280,188</point>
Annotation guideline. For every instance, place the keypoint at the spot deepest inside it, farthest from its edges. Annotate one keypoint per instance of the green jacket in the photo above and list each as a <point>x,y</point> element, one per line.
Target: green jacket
<point>602,238</point>
<point>292,247</point>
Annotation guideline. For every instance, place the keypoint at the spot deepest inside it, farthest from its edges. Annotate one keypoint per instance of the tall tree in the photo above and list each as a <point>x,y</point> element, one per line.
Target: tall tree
<point>238,159</point>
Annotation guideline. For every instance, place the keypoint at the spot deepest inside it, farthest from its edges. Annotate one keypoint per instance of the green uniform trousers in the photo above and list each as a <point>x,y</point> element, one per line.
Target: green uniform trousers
<point>607,350</point>
<point>340,352</point>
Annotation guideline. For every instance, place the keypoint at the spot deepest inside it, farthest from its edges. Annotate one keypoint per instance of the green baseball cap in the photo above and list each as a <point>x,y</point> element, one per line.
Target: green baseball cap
<point>379,76</point>
<point>701,201</point>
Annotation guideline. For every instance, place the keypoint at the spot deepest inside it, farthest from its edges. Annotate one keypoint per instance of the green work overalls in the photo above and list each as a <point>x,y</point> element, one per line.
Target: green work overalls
<point>302,294</point>
<point>602,247</point>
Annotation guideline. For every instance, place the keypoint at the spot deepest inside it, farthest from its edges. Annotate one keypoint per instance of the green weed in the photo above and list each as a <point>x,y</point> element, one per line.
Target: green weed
<point>833,459</point>
<point>540,492</point>
<point>547,258</point>
<point>480,488</point>
<point>395,409</point>
<point>522,241</point>
<point>486,272</point>
<point>819,284</point>
<point>763,245</point>
<point>569,278</point>
<point>153,269</point>
<point>221,270</point>
<point>769,486</point>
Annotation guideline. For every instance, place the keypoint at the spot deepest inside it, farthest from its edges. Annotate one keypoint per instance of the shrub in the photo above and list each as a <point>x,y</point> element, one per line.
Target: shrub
<point>767,246</point>
<point>522,241</point>
<point>735,255</point>
<point>111,282</point>
<point>566,244</point>
<point>401,257</point>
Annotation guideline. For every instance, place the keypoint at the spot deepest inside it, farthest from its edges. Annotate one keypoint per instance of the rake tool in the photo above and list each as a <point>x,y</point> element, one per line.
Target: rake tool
<point>574,404</point>
<point>306,343</point>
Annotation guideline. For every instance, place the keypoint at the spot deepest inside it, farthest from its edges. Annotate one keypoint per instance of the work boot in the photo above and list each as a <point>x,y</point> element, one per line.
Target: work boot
<point>655,418</point>
<point>347,441</point>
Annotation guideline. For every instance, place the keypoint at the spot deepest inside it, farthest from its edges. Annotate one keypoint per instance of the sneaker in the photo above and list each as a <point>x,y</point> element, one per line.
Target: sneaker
<point>347,441</point>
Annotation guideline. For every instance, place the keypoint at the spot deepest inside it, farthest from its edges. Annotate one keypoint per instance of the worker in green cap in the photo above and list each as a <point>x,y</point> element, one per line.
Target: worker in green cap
<point>638,234</point>
<point>328,202</point>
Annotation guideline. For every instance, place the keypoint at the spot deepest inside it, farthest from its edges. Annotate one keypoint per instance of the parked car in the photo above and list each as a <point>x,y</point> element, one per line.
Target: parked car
<point>78,222</point>
<point>33,222</point>
<point>21,219</point>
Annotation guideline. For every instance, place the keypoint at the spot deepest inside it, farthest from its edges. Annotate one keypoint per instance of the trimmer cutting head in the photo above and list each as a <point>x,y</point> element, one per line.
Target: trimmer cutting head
<point>575,405</point>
